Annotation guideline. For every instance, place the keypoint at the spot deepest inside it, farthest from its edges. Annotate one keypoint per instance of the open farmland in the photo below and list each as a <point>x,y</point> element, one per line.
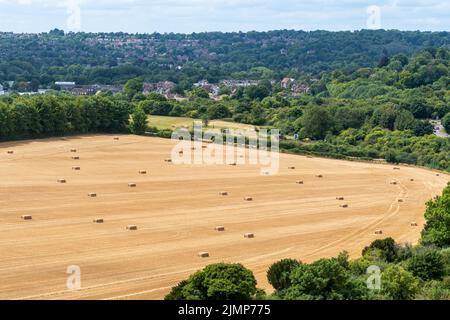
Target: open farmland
<point>176,210</point>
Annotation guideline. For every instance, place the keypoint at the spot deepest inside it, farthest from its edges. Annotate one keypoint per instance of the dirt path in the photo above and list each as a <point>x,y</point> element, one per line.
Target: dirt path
<point>176,209</point>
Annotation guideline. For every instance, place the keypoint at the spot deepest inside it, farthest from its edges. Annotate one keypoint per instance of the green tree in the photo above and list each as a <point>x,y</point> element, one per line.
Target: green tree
<point>316,122</point>
<point>139,122</point>
<point>217,282</point>
<point>398,284</point>
<point>325,279</point>
<point>428,265</point>
<point>386,249</point>
<point>279,273</point>
<point>133,87</point>
<point>437,227</point>
<point>446,122</point>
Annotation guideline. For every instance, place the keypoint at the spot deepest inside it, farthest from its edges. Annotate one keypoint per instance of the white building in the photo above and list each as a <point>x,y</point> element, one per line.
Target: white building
<point>65,85</point>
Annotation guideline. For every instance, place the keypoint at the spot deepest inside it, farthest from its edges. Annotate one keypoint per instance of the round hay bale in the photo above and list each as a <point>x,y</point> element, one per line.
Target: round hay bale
<point>414,224</point>
<point>291,168</point>
<point>223,193</point>
<point>142,172</point>
<point>92,195</point>
<point>27,217</point>
<point>378,231</point>
<point>76,168</point>
<point>62,181</point>
<point>10,152</point>
<point>132,227</point>
<point>220,228</point>
<point>99,220</point>
<point>300,182</point>
<point>132,185</point>
<point>248,199</point>
<point>75,158</point>
<point>73,150</point>
<point>249,235</point>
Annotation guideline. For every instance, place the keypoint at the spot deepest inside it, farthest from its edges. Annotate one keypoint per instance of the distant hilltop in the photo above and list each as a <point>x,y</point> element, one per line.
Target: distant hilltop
<point>113,58</point>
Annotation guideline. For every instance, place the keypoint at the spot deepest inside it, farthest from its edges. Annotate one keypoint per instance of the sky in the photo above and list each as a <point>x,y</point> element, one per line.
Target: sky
<point>187,16</point>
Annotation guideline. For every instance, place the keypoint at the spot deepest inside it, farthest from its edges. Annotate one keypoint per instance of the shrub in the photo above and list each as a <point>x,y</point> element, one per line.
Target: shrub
<point>279,273</point>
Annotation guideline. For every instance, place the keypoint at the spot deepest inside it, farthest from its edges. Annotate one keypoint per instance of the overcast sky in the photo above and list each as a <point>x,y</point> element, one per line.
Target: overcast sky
<point>188,16</point>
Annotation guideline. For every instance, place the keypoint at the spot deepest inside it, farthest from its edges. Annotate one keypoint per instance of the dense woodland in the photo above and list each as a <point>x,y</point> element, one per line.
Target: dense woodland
<point>108,58</point>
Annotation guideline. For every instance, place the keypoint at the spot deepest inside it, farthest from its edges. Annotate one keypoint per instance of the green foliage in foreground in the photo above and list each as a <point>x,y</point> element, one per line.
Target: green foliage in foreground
<point>217,282</point>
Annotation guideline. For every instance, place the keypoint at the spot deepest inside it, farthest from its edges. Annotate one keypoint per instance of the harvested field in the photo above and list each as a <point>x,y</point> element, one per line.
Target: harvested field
<point>176,209</point>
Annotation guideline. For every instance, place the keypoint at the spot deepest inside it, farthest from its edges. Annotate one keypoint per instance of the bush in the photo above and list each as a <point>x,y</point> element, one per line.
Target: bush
<point>398,284</point>
<point>279,273</point>
<point>385,249</point>
<point>437,228</point>
<point>325,279</point>
<point>428,265</point>
<point>217,282</point>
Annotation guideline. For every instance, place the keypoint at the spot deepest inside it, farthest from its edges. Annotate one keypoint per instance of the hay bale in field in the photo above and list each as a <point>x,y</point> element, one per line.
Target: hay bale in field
<point>340,198</point>
<point>344,206</point>
<point>76,168</point>
<point>132,227</point>
<point>27,217</point>
<point>319,176</point>
<point>249,235</point>
<point>234,164</point>
<point>116,138</point>
<point>438,175</point>
<point>92,195</point>
<point>223,193</point>
<point>248,199</point>
<point>393,182</point>
<point>75,158</point>
<point>309,157</point>
<point>181,152</point>
<point>98,220</point>
<point>411,180</point>
<point>168,160</point>
<point>378,231</point>
<point>142,172</point>
<point>62,181</point>
<point>396,168</point>
<point>299,182</point>
<point>193,148</point>
<point>204,147</point>
<point>73,150</point>
<point>291,168</point>
<point>10,152</point>
<point>203,254</point>
<point>414,224</point>
<point>132,185</point>
<point>400,200</point>
<point>220,228</point>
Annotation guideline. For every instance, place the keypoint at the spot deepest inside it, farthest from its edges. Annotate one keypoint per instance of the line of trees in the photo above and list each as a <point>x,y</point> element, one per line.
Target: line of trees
<point>47,115</point>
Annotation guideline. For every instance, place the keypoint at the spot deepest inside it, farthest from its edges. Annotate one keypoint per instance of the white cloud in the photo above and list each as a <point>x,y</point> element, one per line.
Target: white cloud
<point>222,15</point>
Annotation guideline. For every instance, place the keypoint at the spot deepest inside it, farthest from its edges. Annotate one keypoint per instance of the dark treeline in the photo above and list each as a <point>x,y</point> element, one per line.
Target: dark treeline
<point>46,116</point>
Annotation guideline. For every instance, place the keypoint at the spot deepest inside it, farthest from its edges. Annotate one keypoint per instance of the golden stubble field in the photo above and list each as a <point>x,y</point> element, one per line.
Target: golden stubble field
<point>176,209</point>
